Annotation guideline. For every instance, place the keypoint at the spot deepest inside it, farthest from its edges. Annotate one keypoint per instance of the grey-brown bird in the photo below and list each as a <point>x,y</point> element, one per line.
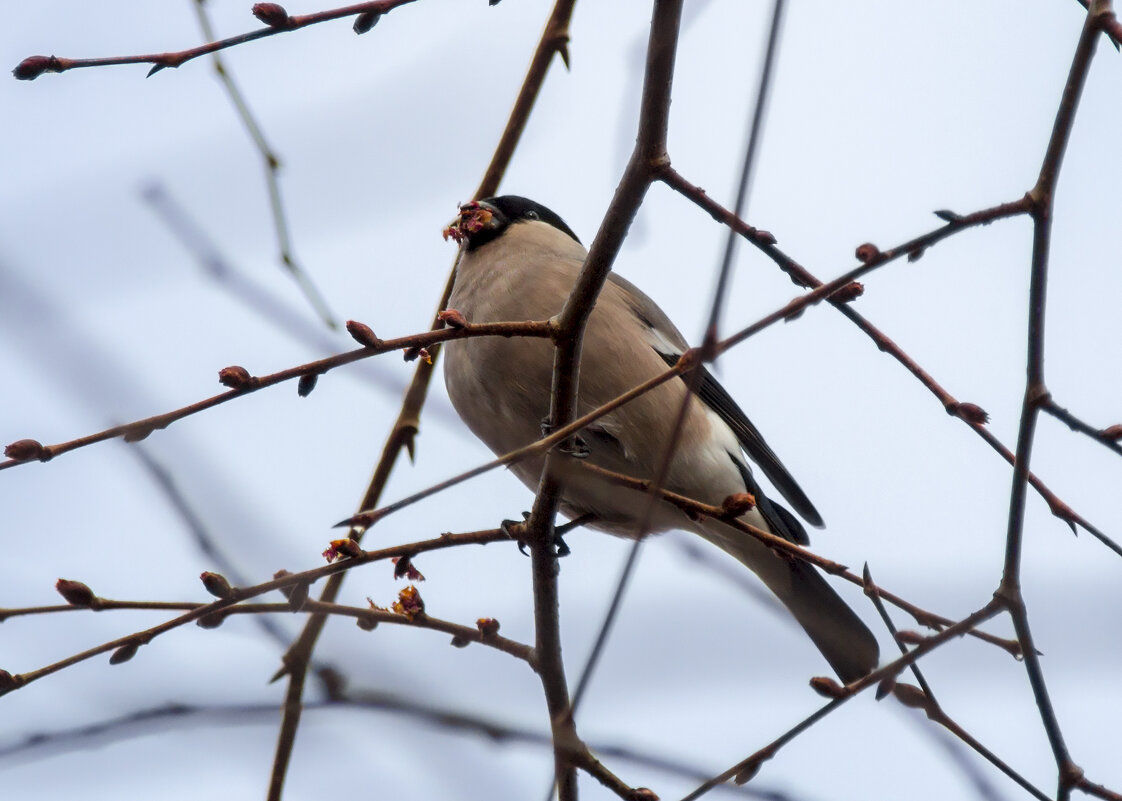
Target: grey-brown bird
<point>519,261</point>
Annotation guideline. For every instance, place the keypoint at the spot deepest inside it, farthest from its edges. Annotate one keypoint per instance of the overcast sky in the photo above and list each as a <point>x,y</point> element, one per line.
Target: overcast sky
<point>881,113</point>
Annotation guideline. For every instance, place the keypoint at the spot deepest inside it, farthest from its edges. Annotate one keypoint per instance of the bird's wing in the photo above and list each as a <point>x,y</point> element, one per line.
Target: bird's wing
<point>669,343</point>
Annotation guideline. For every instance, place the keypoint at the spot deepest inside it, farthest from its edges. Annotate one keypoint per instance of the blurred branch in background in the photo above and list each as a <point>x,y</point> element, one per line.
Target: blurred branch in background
<point>272,183</point>
<point>650,162</point>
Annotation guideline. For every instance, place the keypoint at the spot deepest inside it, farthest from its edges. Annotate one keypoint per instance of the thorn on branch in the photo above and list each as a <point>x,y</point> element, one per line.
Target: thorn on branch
<point>947,216</point>
<point>1064,512</point>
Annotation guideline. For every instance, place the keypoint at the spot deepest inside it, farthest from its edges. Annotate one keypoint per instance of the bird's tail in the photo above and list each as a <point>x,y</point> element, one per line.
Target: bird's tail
<point>845,641</point>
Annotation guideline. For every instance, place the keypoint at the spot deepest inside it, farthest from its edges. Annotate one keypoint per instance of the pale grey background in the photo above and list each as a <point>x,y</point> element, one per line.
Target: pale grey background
<point>881,113</point>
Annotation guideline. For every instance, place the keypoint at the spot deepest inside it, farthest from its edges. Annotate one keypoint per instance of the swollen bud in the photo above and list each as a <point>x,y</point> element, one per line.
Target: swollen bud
<point>124,653</point>
<point>24,450</point>
<point>272,14</point>
<point>235,377</point>
<point>363,334</point>
<point>217,585</point>
<point>75,593</point>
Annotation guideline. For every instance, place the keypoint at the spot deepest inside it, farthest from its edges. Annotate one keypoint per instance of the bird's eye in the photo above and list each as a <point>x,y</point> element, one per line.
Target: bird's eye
<point>531,215</point>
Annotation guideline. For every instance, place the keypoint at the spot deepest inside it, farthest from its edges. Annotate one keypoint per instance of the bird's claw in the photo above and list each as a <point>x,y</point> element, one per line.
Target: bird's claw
<point>575,446</point>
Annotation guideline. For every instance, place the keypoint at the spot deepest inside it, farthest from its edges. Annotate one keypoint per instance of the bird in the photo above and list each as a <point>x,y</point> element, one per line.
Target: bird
<point>518,260</point>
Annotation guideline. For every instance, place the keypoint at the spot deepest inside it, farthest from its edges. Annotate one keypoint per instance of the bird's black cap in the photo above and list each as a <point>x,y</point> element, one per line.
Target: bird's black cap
<point>513,209</point>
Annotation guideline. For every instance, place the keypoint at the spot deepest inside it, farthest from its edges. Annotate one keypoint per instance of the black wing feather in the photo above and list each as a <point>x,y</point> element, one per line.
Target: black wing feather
<point>716,398</point>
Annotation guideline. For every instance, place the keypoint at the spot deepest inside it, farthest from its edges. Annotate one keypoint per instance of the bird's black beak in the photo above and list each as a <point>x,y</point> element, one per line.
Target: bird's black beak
<point>475,216</point>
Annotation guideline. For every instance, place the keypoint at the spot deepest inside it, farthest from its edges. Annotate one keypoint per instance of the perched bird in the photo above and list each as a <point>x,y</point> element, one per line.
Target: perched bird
<point>519,261</point>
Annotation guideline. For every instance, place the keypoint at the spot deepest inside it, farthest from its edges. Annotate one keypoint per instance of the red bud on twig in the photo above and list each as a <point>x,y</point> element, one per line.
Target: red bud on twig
<point>827,687</point>
<point>848,293</point>
<point>33,66</point>
<point>970,412</point>
<point>910,695</point>
<point>909,637</point>
<point>403,568</point>
<point>341,548</point>
<point>363,334</point>
<point>867,252</point>
<point>212,620</point>
<point>24,450</point>
<point>409,603</point>
<point>365,21</point>
<point>487,626</point>
<point>738,503</point>
<point>75,593</point>
<point>235,377</point>
<point>306,384</point>
<point>452,318</point>
<point>217,585</point>
<point>124,653</point>
<point>272,14</point>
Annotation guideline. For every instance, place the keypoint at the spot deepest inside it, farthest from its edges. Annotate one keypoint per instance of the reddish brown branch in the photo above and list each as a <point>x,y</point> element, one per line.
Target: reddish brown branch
<point>30,450</point>
<point>407,424</point>
<point>284,582</point>
<point>554,41</point>
<point>696,508</point>
<point>747,768</point>
<point>969,413</point>
<point>1036,392</point>
<point>32,67</point>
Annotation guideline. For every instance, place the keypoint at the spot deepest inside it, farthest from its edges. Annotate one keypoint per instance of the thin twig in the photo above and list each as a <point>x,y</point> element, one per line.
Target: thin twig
<point>403,433</point>
<point>32,67</point>
<point>222,606</point>
<point>1036,392</point>
<point>139,429</point>
<point>271,164</point>
<point>1099,435</point>
<point>968,413</point>
<point>747,768</point>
